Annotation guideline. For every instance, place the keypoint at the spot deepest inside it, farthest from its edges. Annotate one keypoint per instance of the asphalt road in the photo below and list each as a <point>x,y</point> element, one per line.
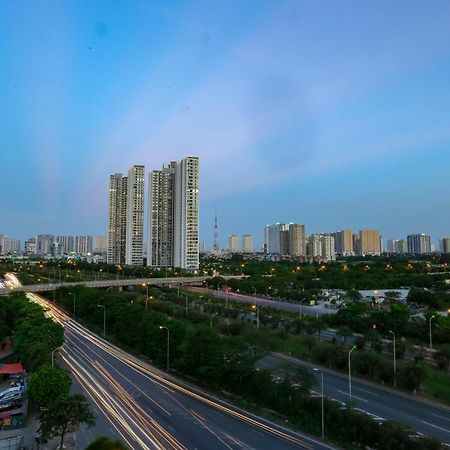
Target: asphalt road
<point>383,404</point>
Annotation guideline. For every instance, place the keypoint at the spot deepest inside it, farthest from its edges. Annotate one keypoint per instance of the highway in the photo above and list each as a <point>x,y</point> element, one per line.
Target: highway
<point>382,404</point>
<point>150,410</point>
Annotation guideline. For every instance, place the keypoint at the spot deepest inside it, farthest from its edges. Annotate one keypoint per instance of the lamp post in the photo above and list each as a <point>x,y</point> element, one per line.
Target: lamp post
<point>104,319</point>
<point>53,354</point>
<point>395,358</point>
<point>168,342</point>
<point>74,302</point>
<point>431,338</point>
<point>350,372</point>
<point>186,306</point>
<point>300,308</point>
<point>147,299</point>
<point>254,291</point>
<point>322,398</point>
<point>255,307</point>
<point>212,317</point>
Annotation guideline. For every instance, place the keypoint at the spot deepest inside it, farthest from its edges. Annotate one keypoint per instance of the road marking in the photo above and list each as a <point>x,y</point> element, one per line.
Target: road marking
<point>354,396</point>
<point>365,390</point>
<point>435,426</point>
<point>441,417</point>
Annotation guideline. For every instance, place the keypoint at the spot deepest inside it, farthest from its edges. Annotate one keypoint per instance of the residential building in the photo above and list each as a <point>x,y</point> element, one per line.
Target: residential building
<point>66,244</point>
<point>343,242</point>
<point>173,215</point>
<point>397,246</point>
<point>247,243</point>
<point>10,246</point>
<point>445,244</point>
<point>419,243</point>
<point>369,242</point>
<point>233,243</point>
<point>118,188</point>
<point>275,241</point>
<point>83,245</point>
<point>297,240</point>
<point>2,243</point>
<point>314,248</point>
<point>134,240</point>
<point>30,246</point>
<point>44,243</point>
<point>101,245</point>
<point>327,247</point>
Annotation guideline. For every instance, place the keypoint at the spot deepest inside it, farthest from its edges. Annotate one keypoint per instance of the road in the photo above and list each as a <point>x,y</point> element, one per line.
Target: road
<point>382,404</point>
<point>150,410</point>
<point>275,304</point>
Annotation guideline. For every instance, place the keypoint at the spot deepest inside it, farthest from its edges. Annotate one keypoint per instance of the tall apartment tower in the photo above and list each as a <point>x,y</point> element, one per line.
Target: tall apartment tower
<point>444,244</point>
<point>173,215</point>
<point>274,238</point>
<point>83,245</point>
<point>66,244</point>
<point>118,186</point>
<point>297,240</point>
<point>369,242</point>
<point>247,243</point>
<point>134,241</point>
<point>233,243</point>
<point>343,242</point>
<point>419,243</point>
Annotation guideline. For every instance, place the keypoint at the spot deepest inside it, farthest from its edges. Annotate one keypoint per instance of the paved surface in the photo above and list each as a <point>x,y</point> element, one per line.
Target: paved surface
<point>149,410</point>
<point>383,404</point>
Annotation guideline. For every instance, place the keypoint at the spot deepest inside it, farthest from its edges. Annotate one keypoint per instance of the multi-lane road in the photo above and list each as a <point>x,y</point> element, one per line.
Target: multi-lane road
<point>382,404</point>
<point>150,410</point>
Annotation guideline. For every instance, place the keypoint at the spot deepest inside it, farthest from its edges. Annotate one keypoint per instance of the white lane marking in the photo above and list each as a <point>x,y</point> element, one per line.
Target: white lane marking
<point>435,426</point>
<point>365,390</point>
<point>354,396</point>
<point>441,417</point>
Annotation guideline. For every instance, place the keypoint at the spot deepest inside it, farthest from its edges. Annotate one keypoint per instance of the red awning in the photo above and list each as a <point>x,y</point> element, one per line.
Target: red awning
<point>11,369</point>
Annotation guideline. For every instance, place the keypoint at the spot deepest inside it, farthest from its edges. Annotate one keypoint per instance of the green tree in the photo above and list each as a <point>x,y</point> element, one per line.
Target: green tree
<point>344,332</point>
<point>48,384</point>
<point>105,443</point>
<point>442,357</point>
<point>63,413</point>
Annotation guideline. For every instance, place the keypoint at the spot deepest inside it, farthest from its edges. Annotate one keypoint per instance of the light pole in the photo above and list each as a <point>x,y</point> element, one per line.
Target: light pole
<point>255,307</point>
<point>212,317</point>
<point>431,338</point>
<point>350,373</point>
<point>395,359</point>
<point>186,304</point>
<point>53,354</point>
<point>147,299</point>
<point>168,342</point>
<point>74,302</point>
<point>104,319</point>
<point>254,291</point>
<point>321,394</point>
<point>300,308</point>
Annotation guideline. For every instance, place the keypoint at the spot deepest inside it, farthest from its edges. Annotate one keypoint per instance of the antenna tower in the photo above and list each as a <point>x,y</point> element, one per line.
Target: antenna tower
<point>216,248</point>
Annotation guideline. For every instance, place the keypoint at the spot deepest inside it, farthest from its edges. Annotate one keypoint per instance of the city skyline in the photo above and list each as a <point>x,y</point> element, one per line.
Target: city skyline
<point>335,117</point>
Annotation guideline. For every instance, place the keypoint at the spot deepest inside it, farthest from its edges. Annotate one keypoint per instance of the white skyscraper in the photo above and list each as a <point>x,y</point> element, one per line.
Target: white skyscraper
<point>173,221</point>
<point>134,241</point>
<point>247,243</point>
<point>419,243</point>
<point>233,243</point>
<point>83,245</point>
<point>275,238</point>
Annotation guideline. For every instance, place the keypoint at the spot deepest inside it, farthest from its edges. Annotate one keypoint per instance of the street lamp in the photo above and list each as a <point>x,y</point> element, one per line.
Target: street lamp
<point>300,308</point>
<point>350,373</point>
<point>431,338</point>
<point>53,354</point>
<point>147,299</point>
<point>212,317</point>
<point>168,342</point>
<point>186,304</point>
<point>321,394</point>
<point>255,307</point>
<point>104,319</point>
<point>254,291</point>
<point>74,302</point>
<point>395,359</point>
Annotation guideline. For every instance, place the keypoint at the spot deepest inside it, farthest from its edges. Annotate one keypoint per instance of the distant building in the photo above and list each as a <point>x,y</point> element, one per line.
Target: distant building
<point>44,243</point>
<point>297,240</point>
<point>201,247</point>
<point>83,245</point>
<point>314,246</point>
<point>343,242</point>
<point>30,246</point>
<point>419,243</point>
<point>2,243</point>
<point>445,244</point>
<point>101,245</point>
<point>274,240</point>
<point>233,243</point>
<point>327,247</point>
<point>10,246</point>
<point>397,246</point>
<point>66,244</point>
<point>369,242</point>
<point>247,243</point>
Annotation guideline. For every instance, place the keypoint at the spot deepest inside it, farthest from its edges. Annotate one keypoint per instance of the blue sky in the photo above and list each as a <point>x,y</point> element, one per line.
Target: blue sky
<point>332,114</point>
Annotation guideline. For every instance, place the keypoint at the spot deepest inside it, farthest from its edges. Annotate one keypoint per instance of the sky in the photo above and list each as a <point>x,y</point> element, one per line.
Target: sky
<point>331,114</point>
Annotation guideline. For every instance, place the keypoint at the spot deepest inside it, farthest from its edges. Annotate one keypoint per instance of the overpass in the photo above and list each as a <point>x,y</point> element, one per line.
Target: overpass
<point>172,281</point>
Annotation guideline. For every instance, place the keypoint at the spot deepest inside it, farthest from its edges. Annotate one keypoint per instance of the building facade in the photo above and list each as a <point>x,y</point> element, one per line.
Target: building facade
<point>234,243</point>
<point>369,242</point>
<point>247,243</point>
<point>297,240</point>
<point>419,243</point>
<point>83,245</point>
<point>343,242</point>
<point>444,244</point>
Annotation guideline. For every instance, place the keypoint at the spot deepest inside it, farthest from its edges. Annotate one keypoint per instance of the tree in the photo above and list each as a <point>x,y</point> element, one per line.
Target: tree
<point>48,384</point>
<point>105,443</point>
<point>70,411</point>
<point>442,357</point>
<point>345,332</point>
